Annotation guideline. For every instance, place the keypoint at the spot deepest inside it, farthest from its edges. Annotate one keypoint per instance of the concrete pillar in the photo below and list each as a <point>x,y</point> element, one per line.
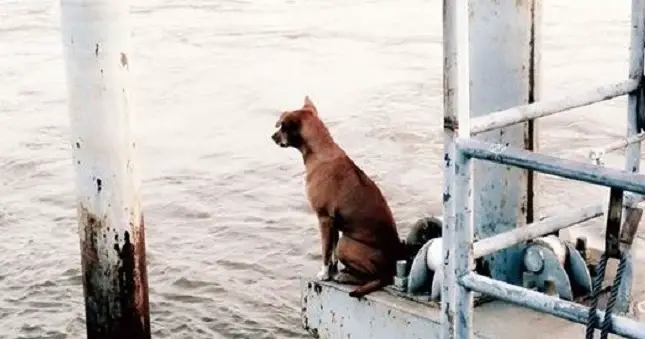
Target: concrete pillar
<point>96,41</point>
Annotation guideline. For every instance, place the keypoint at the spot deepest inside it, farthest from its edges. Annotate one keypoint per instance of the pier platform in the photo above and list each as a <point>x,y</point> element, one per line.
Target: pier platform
<point>329,312</point>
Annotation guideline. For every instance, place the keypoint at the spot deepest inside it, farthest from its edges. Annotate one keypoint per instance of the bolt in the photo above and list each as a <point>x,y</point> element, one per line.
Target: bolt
<point>401,268</point>
<point>401,284</point>
<point>534,259</point>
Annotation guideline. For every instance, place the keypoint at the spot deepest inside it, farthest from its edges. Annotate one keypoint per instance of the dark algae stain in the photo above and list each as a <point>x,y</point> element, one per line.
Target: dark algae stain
<point>113,298</point>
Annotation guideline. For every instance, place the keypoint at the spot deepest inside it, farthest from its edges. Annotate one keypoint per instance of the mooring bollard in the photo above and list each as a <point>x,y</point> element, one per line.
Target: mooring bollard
<point>96,40</point>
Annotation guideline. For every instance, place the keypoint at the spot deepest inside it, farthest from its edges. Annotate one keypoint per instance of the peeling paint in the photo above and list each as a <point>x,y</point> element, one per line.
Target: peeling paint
<point>124,60</point>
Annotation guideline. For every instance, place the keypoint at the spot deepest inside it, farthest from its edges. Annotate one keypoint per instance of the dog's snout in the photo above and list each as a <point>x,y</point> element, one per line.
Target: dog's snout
<point>275,137</point>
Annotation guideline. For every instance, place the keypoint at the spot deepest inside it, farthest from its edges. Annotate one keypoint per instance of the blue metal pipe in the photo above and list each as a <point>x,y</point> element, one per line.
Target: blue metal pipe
<point>547,164</point>
<point>540,302</point>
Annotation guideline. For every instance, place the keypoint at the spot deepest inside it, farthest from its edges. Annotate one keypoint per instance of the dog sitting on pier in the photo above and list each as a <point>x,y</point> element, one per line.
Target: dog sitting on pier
<point>345,201</point>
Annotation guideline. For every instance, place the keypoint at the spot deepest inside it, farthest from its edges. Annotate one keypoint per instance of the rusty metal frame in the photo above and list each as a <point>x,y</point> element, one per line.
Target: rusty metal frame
<point>466,150</point>
<point>460,150</point>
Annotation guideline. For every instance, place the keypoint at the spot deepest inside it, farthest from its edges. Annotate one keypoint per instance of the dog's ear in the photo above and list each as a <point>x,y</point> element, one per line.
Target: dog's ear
<point>309,104</point>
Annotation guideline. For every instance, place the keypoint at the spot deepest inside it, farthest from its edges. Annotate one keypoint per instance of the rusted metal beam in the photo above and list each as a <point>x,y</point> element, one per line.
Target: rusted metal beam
<point>545,108</point>
<point>96,41</point>
<point>633,218</point>
<point>614,218</point>
<point>555,306</point>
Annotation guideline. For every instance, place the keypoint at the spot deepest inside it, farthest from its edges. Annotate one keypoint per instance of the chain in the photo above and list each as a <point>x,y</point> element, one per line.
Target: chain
<point>592,319</point>
<point>607,323</point>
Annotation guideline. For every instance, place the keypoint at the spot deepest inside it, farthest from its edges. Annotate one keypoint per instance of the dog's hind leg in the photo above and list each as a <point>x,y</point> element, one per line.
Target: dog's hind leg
<point>364,266</point>
<point>359,259</point>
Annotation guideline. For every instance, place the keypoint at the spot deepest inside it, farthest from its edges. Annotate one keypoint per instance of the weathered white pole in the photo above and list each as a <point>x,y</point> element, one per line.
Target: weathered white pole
<point>635,99</point>
<point>456,123</point>
<point>635,107</point>
<point>96,40</point>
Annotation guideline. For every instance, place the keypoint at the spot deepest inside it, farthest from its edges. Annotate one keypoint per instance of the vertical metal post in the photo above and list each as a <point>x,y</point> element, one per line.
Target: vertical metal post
<point>635,99</point>
<point>456,122</point>
<point>531,138</point>
<point>463,242</point>
<point>96,41</point>
<point>502,38</point>
<point>635,106</point>
<point>450,125</point>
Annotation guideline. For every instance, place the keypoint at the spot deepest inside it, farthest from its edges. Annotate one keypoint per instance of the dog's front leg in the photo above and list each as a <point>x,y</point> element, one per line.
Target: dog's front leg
<point>329,239</point>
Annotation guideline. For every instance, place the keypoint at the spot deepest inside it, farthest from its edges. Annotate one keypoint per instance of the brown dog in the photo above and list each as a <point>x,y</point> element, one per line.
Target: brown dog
<point>345,200</point>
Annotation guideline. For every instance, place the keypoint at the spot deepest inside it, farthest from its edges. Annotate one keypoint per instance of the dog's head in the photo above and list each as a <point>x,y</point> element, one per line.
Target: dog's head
<point>291,125</point>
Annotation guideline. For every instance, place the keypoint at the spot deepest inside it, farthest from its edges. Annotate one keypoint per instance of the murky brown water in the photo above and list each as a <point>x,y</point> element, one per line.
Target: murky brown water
<point>229,231</point>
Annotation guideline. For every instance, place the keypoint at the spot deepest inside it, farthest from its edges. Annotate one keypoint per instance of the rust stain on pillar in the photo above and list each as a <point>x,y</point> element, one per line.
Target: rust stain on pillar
<point>116,291</point>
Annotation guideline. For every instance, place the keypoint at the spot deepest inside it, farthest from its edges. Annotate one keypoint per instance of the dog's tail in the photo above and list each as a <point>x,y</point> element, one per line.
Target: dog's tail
<point>369,287</point>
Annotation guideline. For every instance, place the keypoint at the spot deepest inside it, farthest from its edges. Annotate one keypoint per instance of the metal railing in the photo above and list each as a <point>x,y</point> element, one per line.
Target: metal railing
<point>460,250</point>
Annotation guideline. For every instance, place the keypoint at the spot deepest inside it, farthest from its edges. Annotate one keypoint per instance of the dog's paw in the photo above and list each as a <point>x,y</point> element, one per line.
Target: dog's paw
<point>324,274</point>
